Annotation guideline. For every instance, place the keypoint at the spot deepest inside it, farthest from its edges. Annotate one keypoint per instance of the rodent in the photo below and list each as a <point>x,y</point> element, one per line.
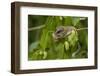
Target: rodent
<point>64,31</point>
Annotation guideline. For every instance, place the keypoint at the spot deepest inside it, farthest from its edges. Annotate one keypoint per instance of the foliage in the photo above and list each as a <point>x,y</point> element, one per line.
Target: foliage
<point>42,46</point>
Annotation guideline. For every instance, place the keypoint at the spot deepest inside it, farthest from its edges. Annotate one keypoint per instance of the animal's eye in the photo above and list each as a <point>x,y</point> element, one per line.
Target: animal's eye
<point>58,31</point>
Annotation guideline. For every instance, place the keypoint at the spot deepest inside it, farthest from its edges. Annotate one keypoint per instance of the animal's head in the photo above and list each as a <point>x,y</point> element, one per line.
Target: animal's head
<point>62,32</point>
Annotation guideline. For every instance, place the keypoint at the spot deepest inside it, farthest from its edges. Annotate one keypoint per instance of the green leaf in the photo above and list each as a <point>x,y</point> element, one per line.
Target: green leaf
<point>33,55</point>
<point>73,38</point>
<point>60,50</point>
<point>51,53</point>
<point>82,54</point>
<point>68,21</point>
<point>66,45</point>
<point>57,21</point>
<point>33,46</point>
<point>75,21</point>
<point>44,55</point>
<point>83,38</point>
<point>45,37</point>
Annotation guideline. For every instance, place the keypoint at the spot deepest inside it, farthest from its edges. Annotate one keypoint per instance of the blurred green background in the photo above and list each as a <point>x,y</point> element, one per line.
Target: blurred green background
<point>41,45</point>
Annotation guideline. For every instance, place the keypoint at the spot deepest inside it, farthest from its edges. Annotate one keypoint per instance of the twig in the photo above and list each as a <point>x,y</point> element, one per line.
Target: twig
<point>36,28</point>
<point>81,29</point>
<point>42,26</point>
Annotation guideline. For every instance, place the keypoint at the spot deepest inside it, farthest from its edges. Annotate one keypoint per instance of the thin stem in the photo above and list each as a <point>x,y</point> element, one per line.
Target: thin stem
<point>81,29</point>
<point>36,28</point>
<point>42,26</point>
